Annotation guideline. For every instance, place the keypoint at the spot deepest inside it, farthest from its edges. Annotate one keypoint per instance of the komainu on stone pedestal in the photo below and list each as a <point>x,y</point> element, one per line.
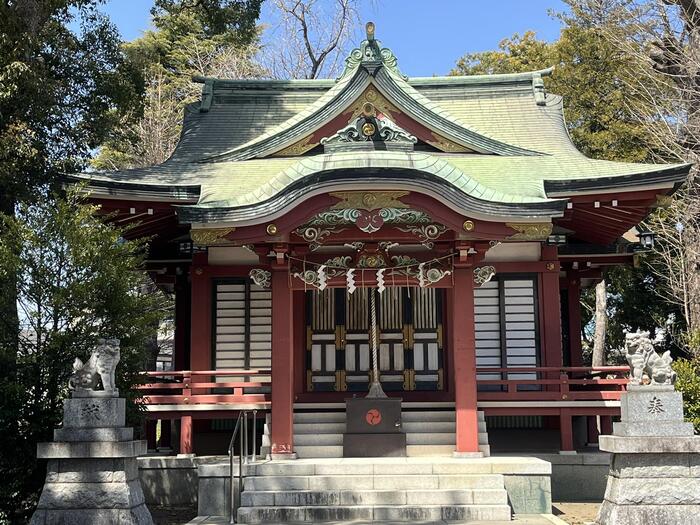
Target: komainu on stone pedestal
<point>655,466</point>
<point>92,475</point>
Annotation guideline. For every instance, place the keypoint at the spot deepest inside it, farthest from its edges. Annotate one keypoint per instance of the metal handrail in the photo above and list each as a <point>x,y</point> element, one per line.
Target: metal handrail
<point>242,425</point>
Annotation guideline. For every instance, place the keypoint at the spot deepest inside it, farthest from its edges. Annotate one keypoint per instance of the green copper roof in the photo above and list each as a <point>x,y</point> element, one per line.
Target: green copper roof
<point>526,155</point>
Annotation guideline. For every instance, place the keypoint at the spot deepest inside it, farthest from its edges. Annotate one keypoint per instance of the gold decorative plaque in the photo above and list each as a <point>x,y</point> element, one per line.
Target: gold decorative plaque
<point>376,99</point>
<point>368,200</point>
<point>446,145</point>
<point>271,229</point>
<point>296,149</point>
<point>468,226</point>
<point>210,236</point>
<point>530,231</point>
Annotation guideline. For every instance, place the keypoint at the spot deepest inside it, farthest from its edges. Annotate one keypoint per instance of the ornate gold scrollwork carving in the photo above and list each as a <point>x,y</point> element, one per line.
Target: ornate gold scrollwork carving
<point>210,236</point>
<point>368,200</point>
<point>530,231</point>
<point>446,145</point>
<point>376,99</point>
<point>296,149</point>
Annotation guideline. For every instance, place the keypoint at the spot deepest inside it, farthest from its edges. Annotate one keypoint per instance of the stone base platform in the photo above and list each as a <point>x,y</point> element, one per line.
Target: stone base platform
<point>415,489</point>
<point>92,473</point>
<point>652,480</point>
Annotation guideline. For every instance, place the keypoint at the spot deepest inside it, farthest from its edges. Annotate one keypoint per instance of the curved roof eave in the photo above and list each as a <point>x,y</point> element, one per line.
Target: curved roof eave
<point>470,203</point>
<point>138,191</point>
<point>674,174</point>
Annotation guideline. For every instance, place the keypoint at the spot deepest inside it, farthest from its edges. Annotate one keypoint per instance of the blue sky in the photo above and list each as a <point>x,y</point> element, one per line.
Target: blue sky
<point>428,36</point>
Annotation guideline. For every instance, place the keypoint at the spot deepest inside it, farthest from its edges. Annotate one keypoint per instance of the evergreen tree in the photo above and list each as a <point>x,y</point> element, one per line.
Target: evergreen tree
<point>78,279</point>
<point>591,73</point>
<point>207,38</point>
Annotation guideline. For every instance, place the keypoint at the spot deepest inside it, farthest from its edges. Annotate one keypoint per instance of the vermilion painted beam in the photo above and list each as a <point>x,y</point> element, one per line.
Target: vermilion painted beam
<point>551,309</point>
<point>200,332</point>
<point>566,431</point>
<point>464,359</point>
<point>573,292</point>
<point>282,364</point>
<point>299,299</point>
<point>186,444</point>
<point>182,323</point>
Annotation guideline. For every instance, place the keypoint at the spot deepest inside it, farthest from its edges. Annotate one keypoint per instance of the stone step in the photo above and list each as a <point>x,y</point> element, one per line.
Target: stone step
<point>385,466</point>
<point>310,427</point>
<point>374,497</point>
<point>318,428</point>
<point>406,416</point>
<point>429,450</point>
<point>301,440</point>
<point>408,427</point>
<point>319,451</point>
<point>381,482</point>
<point>319,417</point>
<point>407,513</point>
<point>423,438</point>
<point>336,451</point>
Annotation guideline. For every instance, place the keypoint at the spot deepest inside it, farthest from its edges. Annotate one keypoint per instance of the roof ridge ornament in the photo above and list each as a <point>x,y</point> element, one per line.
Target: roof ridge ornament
<point>371,130</point>
<point>372,56</point>
<point>539,89</point>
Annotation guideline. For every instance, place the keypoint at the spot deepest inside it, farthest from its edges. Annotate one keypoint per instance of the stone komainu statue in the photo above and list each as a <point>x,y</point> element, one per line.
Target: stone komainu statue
<point>648,367</point>
<point>102,364</point>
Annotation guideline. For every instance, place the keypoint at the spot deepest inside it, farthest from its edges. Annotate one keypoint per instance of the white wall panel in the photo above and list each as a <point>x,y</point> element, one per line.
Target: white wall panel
<point>242,327</point>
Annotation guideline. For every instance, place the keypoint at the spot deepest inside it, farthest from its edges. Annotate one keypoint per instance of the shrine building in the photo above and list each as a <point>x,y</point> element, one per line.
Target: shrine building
<point>452,216</point>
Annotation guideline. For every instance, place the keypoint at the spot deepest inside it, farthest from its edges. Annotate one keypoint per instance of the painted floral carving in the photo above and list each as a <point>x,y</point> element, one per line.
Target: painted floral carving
<point>328,222</point>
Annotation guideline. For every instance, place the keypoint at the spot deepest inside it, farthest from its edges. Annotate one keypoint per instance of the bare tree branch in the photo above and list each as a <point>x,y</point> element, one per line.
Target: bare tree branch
<point>309,38</point>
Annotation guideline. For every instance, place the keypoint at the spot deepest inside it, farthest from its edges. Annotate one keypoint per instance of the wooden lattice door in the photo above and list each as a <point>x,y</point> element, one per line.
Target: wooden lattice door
<point>410,348</point>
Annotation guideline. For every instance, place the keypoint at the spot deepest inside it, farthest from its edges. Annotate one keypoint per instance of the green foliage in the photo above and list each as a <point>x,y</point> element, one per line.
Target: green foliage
<point>202,38</point>
<point>77,279</point>
<point>633,304</point>
<point>61,92</point>
<point>688,382</point>
<point>591,74</point>
<point>516,54</point>
<point>232,21</point>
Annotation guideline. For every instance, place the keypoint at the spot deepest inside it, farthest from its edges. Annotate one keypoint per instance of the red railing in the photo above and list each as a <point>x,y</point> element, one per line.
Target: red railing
<point>195,387</point>
<point>199,387</point>
<point>554,384</point>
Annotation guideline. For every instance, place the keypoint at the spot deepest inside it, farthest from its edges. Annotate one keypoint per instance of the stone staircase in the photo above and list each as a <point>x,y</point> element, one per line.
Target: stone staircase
<point>373,489</point>
<point>428,433</point>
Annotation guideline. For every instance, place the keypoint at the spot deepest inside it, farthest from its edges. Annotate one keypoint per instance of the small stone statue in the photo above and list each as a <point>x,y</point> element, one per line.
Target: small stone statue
<point>646,366</point>
<point>102,364</point>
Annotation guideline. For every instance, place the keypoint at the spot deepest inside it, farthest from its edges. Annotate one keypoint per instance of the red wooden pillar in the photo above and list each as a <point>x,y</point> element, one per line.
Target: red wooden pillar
<point>606,425</point>
<point>183,318</point>
<point>165,434</point>
<point>464,360</point>
<point>592,422</point>
<point>574,305</point>
<point>566,432</point>
<point>151,432</point>
<point>186,445</point>
<point>282,364</point>
<point>200,331</point>
<point>551,309</point>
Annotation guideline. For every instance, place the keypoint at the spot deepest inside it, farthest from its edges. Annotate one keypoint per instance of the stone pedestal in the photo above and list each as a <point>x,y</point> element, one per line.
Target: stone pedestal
<point>655,464</point>
<point>92,475</point>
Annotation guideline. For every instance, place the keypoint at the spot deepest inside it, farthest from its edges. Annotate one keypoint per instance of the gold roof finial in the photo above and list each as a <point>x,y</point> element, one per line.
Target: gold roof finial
<point>370,31</point>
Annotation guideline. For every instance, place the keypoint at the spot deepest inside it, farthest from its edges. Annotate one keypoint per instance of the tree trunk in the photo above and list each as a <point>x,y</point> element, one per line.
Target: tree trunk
<point>9,320</point>
<point>601,321</point>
